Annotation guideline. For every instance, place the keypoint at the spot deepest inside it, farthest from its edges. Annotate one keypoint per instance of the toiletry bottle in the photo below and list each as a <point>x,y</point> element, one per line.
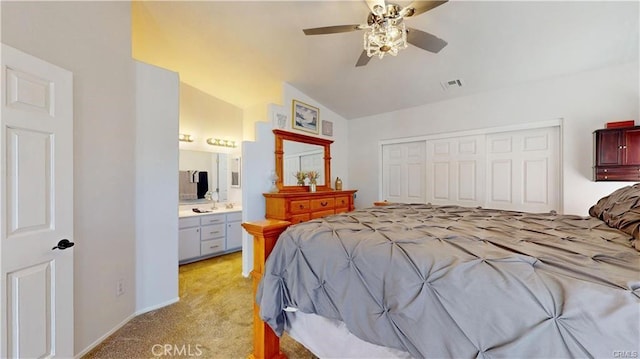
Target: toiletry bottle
<point>338,184</point>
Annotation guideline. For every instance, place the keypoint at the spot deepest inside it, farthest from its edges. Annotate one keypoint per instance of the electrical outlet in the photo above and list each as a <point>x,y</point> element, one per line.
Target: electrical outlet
<point>120,287</point>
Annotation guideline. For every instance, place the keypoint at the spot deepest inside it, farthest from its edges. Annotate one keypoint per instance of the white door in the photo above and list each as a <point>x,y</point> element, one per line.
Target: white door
<point>403,172</point>
<point>455,171</point>
<point>523,170</point>
<point>36,199</point>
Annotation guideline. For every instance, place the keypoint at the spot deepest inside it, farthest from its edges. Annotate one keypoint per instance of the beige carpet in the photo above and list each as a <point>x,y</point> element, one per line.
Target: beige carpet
<point>213,319</point>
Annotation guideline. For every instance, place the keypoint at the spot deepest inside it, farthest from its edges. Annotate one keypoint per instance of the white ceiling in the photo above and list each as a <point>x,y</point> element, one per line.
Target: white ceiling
<point>241,51</point>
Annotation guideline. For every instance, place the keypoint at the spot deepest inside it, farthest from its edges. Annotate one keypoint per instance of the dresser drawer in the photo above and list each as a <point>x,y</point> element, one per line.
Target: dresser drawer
<point>211,246</point>
<point>300,206</point>
<point>212,231</point>
<point>323,203</point>
<point>214,219</point>
<point>322,213</point>
<point>342,202</point>
<point>297,218</point>
<point>631,173</point>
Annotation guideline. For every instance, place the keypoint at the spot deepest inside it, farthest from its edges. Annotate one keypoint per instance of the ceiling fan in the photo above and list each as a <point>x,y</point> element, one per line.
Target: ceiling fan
<point>386,32</point>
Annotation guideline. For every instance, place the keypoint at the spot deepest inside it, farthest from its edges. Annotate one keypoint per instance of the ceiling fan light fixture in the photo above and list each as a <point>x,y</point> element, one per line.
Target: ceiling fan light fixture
<point>387,38</point>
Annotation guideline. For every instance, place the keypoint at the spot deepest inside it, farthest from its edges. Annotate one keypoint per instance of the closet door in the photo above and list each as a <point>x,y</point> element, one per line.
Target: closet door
<point>403,171</point>
<point>455,171</point>
<point>523,170</point>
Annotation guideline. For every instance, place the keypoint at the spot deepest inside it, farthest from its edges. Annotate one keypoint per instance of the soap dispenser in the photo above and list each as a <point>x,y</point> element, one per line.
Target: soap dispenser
<point>338,184</point>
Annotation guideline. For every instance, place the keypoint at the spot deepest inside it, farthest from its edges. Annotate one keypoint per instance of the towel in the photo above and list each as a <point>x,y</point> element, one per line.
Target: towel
<point>193,176</point>
<point>186,188</point>
<point>203,183</point>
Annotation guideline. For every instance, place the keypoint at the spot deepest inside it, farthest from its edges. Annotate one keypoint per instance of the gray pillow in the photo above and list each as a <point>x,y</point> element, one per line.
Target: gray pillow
<point>621,210</point>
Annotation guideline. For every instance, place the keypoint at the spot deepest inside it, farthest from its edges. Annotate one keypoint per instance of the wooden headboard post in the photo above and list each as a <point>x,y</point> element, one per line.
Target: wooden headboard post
<point>266,344</point>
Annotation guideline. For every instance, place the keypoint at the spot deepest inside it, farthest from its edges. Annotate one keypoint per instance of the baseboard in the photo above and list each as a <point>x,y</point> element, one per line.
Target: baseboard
<point>105,336</point>
<point>157,306</point>
<point>121,324</point>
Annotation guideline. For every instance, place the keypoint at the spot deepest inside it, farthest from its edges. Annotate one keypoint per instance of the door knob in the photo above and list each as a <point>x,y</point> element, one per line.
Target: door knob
<point>63,244</point>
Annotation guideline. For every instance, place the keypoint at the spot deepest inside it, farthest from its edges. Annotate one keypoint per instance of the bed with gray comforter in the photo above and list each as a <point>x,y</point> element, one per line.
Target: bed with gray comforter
<point>457,282</point>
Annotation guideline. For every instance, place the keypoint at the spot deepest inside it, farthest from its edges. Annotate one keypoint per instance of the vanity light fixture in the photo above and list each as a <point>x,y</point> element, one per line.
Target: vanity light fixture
<point>184,137</point>
<point>222,143</point>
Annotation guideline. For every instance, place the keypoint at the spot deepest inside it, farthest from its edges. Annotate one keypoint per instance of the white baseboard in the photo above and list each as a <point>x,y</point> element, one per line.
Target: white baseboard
<point>105,336</point>
<point>121,324</point>
<point>157,306</point>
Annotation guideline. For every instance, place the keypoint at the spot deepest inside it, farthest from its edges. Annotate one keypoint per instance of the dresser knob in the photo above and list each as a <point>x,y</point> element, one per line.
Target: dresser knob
<point>324,204</point>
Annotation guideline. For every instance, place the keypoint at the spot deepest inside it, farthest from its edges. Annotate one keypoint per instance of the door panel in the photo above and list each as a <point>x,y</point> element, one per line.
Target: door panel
<point>36,158</point>
<point>403,172</point>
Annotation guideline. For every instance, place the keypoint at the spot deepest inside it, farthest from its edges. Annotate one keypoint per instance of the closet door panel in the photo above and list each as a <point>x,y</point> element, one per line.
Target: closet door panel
<point>403,167</point>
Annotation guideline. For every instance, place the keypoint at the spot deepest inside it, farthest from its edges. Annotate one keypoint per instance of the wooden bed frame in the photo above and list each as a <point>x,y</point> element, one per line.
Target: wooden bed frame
<point>266,344</point>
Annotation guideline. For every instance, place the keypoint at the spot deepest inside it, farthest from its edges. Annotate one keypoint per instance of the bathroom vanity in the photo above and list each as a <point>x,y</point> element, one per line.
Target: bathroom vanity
<point>209,234</point>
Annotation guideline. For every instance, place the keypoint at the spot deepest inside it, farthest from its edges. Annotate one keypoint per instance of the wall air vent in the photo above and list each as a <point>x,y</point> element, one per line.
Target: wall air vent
<point>447,85</point>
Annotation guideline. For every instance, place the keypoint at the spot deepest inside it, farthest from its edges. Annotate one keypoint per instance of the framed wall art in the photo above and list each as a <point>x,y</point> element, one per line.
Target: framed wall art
<point>327,128</point>
<point>305,117</point>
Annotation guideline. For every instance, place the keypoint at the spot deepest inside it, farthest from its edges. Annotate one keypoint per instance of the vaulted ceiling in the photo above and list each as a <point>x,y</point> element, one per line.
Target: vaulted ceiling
<point>241,52</point>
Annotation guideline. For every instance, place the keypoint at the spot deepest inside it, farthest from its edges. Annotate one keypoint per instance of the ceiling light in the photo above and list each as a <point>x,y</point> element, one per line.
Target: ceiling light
<point>385,38</point>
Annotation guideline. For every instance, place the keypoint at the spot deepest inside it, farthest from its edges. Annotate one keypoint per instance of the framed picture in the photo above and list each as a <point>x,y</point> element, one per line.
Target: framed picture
<point>279,120</point>
<point>305,117</point>
<point>327,128</point>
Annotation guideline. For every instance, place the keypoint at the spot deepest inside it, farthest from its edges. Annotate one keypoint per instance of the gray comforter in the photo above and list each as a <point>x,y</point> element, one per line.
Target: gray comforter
<point>448,281</point>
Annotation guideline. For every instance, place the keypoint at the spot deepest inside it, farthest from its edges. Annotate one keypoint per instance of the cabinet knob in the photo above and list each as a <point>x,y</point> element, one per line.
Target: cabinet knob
<point>324,204</point>
<point>606,170</point>
<point>606,177</point>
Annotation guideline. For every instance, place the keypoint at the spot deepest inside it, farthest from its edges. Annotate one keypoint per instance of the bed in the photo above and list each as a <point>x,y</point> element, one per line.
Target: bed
<point>448,281</point>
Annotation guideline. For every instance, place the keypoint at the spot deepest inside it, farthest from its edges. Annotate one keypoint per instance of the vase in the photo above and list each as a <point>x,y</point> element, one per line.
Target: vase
<point>312,187</point>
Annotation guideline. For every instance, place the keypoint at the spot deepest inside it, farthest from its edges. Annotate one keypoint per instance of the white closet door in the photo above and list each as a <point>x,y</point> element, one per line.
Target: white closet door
<point>403,171</point>
<point>291,166</point>
<point>523,170</point>
<point>455,171</point>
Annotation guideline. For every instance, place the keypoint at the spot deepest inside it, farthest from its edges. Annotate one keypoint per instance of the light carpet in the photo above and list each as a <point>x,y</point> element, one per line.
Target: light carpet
<point>213,319</point>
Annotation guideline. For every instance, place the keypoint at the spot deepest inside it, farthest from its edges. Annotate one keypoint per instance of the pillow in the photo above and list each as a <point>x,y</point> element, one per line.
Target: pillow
<point>621,210</point>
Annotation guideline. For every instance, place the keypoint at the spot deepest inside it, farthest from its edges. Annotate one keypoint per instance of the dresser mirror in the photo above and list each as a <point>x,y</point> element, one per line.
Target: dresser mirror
<point>296,152</point>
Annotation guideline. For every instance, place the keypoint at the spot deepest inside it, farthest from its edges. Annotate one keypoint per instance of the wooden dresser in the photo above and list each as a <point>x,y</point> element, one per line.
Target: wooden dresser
<point>297,207</point>
<point>617,154</point>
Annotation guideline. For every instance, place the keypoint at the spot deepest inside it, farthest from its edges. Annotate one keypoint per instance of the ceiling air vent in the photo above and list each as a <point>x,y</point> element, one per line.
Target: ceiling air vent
<point>447,85</point>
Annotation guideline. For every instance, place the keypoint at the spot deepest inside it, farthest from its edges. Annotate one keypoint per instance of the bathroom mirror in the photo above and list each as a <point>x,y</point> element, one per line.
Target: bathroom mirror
<point>192,165</point>
<point>297,152</point>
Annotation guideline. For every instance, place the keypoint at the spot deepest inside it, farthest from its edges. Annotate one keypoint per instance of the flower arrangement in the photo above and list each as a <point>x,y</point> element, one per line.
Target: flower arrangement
<point>300,176</point>
<point>313,176</point>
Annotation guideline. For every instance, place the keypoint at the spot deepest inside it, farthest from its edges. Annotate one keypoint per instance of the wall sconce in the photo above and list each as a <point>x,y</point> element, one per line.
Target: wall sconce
<point>222,143</point>
<point>184,137</point>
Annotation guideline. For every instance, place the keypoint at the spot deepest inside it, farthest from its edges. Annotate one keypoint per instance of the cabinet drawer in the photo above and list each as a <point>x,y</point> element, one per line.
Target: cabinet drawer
<point>212,231</point>
<point>342,201</point>
<point>234,217</point>
<point>215,219</point>
<point>299,218</point>
<point>321,214</point>
<point>301,206</point>
<point>211,246</point>
<point>188,222</point>
<point>323,203</point>
<point>631,173</point>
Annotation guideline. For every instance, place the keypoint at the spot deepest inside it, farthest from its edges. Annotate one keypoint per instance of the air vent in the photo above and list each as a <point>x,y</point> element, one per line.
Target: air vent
<point>447,85</point>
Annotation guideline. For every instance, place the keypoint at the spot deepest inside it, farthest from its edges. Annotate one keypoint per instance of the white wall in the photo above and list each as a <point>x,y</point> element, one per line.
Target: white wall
<point>93,40</point>
<point>156,187</point>
<point>586,101</point>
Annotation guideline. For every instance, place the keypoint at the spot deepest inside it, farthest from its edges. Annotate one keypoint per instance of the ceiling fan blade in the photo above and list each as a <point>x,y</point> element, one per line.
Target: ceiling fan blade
<point>377,7</point>
<point>331,29</point>
<point>363,59</point>
<point>419,6</point>
<point>425,40</point>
